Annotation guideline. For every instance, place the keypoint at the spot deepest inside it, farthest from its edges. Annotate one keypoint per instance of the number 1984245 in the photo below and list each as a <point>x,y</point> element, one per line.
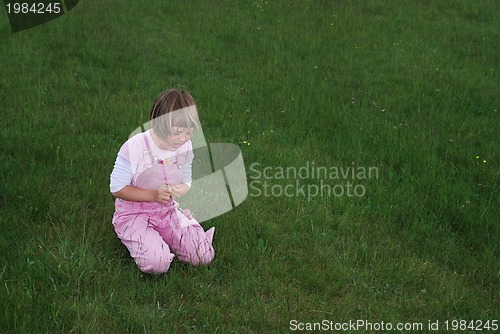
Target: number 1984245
<point>34,8</point>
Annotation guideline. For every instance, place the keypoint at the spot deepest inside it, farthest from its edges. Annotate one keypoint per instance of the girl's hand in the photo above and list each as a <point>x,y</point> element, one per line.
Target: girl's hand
<point>179,190</point>
<point>163,195</point>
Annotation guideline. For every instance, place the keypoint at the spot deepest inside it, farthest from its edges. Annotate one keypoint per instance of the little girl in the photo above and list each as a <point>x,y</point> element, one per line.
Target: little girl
<point>153,168</point>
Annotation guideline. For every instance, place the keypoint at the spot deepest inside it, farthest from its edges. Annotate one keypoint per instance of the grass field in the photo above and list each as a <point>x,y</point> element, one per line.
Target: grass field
<point>410,88</point>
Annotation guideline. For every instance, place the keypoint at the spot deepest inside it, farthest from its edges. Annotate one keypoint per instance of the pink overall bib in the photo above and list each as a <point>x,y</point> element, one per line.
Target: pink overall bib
<point>155,233</point>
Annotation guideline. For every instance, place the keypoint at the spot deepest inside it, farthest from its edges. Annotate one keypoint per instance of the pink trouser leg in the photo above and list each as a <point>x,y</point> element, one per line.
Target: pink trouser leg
<point>146,246</point>
<point>188,241</point>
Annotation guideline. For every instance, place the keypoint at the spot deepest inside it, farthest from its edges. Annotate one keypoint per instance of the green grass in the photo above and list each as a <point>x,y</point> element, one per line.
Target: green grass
<point>408,87</point>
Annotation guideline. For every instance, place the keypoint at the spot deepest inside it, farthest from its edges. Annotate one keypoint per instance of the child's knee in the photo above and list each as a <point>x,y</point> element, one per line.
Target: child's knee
<point>155,264</point>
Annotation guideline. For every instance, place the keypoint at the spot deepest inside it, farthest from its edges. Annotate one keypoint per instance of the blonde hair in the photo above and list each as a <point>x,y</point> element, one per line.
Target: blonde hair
<point>173,108</point>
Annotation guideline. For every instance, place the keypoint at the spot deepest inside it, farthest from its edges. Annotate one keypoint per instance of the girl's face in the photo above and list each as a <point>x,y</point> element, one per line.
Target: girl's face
<point>177,137</point>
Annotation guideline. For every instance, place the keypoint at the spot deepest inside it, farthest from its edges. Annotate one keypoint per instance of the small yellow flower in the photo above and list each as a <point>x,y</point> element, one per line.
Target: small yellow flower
<point>477,156</point>
<point>248,144</point>
<point>484,161</point>
<point>244,142</point>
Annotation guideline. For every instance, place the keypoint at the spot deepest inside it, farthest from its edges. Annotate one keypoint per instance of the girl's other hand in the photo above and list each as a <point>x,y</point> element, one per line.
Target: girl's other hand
<point>179,190</point>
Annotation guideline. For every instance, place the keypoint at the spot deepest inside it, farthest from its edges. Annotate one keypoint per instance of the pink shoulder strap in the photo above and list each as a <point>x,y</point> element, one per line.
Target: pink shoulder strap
<point>146,141</point>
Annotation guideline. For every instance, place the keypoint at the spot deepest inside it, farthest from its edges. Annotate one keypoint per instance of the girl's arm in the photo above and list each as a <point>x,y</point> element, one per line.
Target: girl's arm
<point>120,187</point>
<point>134,194</point>
<point>183,188</point>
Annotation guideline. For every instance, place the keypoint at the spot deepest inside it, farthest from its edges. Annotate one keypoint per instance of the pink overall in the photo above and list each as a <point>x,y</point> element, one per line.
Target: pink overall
<point>155,233</point>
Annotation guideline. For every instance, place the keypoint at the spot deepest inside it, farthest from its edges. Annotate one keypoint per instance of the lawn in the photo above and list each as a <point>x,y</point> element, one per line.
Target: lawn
<point>325,89</point>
